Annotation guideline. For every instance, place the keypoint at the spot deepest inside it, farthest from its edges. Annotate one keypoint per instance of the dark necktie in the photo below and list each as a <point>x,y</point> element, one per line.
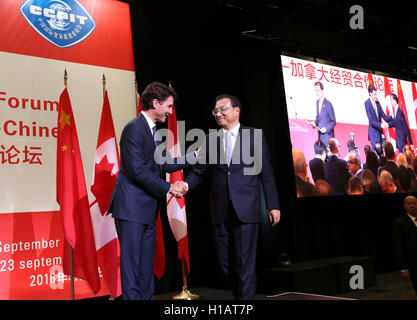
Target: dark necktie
<point>153,135</point>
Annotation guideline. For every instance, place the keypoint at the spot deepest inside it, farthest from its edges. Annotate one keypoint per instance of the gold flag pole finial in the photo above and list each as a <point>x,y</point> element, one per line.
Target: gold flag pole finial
<point>65,78</point>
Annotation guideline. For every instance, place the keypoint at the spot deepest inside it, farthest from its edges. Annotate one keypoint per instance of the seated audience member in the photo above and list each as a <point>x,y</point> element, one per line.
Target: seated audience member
<point>390,165</point>
<point>355,186</point>
<point>322,188</point>
<point>367,178</point>
<point>304,187</point>
<point>407,147</point>
<point>354,164</point>
<point>401,160</point>
<point>371,161</point>
<point>380,154</point>
<point>387,182</point>
<point>403,179</point>
<point>317,164</point>
<point>336,171</point>
<point>375,187</point>
<point>414,184</point>
<point>409,157</point>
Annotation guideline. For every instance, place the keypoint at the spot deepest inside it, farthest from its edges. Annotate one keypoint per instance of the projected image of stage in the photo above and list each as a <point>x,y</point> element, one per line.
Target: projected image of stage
<point>349,115</point>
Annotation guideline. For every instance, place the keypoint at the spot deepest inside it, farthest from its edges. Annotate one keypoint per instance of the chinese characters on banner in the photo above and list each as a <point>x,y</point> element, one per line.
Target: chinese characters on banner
<point>331,74</point>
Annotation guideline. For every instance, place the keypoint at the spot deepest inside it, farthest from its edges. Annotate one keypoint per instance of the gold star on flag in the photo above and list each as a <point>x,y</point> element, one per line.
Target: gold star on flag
<point>64,147</point>
<point>65,119</point>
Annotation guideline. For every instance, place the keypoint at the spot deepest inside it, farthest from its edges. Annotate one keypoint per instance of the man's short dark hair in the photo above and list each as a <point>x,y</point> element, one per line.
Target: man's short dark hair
<point>319,84</point>
<point>233,100</point>
<point>319,147</point>
<point>403,178</point>
<point>156,90</point>
<point>378,148</point>
<point>355,184</point>
<point>389,150</point>
<point>371,88</point>
<point>394,96</point>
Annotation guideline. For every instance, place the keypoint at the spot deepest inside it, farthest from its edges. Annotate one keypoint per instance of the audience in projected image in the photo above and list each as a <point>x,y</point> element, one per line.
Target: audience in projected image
<point>322,188</point>
<point>355,186</point>
<point>383,172</point>
<point>386,182</point>
<point>317,163</point>
<point>371,159</point>
<point>336,171</point>
<point>304,187</point>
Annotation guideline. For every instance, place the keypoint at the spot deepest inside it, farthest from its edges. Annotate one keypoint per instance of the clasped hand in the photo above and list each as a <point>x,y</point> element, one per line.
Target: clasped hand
<point>178,189</point>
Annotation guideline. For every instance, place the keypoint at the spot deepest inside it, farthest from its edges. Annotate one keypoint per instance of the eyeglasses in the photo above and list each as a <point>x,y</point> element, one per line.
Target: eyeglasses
<point>221,109</point>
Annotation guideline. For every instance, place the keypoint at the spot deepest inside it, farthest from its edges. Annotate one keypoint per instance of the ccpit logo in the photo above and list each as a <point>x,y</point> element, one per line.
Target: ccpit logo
<point>64,23</point>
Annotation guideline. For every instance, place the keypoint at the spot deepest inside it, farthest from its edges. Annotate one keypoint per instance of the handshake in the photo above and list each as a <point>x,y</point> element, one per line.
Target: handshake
<point>178,189</point>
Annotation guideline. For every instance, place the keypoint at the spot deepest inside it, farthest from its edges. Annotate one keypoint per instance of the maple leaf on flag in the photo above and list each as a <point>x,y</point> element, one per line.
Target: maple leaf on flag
<point>104,183</point>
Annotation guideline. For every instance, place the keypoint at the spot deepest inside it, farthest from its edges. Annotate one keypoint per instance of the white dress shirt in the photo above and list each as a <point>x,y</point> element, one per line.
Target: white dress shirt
<point>149,121</point>
<point>413,219</point>
<point>234,132</point>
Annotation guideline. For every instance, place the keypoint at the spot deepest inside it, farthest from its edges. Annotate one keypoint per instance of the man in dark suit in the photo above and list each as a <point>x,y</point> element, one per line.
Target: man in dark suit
<point>304,187</point>
<point>325,118</point>
<point>374,112</point>
<point>405,241</point>
<point>399,122</point>
<point>336,171</point>
<point>235,192</point>
<point>354,164</point>
<point>390,164</point>
<point>139,186</point>
<point>317,164</point>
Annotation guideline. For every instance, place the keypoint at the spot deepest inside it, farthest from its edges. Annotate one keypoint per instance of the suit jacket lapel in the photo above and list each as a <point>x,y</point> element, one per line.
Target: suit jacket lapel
<point>148,133</point>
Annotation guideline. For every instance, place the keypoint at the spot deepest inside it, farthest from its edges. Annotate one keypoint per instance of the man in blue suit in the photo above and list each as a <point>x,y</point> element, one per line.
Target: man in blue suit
<point>139,186</point>
<point>325,118</point>
<point>236,192</point>
<point>402,132</point>
<point>374,113</point>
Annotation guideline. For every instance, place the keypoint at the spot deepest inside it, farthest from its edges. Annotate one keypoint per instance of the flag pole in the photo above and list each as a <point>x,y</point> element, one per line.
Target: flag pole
<point>185,294</point>
<point>70,247</point>
<point>104,85</point>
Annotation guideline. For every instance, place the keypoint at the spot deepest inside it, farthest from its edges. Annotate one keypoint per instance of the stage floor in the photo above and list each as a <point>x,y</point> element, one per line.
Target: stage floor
<point>390,286</point>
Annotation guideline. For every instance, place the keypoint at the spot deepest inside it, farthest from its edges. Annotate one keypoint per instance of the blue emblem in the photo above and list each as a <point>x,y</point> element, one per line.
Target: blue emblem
<point>62,22</point>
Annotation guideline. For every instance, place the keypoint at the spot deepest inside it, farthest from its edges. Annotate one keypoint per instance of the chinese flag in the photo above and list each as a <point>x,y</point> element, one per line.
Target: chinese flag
<point>370,80</point>
<point>159,260</point>
<point>106,169</point>
<point>176,206</point>
<point>72,198</point>
<point>401,104</point>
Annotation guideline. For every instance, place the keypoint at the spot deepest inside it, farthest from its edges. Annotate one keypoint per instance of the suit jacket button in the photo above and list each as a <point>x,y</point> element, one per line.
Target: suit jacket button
<point>228,172</point>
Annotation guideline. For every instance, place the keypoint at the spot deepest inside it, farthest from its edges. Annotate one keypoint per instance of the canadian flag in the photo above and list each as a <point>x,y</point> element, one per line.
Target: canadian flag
<point>105,171</point>
<point>176,206</point>
<point>390,133</point>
